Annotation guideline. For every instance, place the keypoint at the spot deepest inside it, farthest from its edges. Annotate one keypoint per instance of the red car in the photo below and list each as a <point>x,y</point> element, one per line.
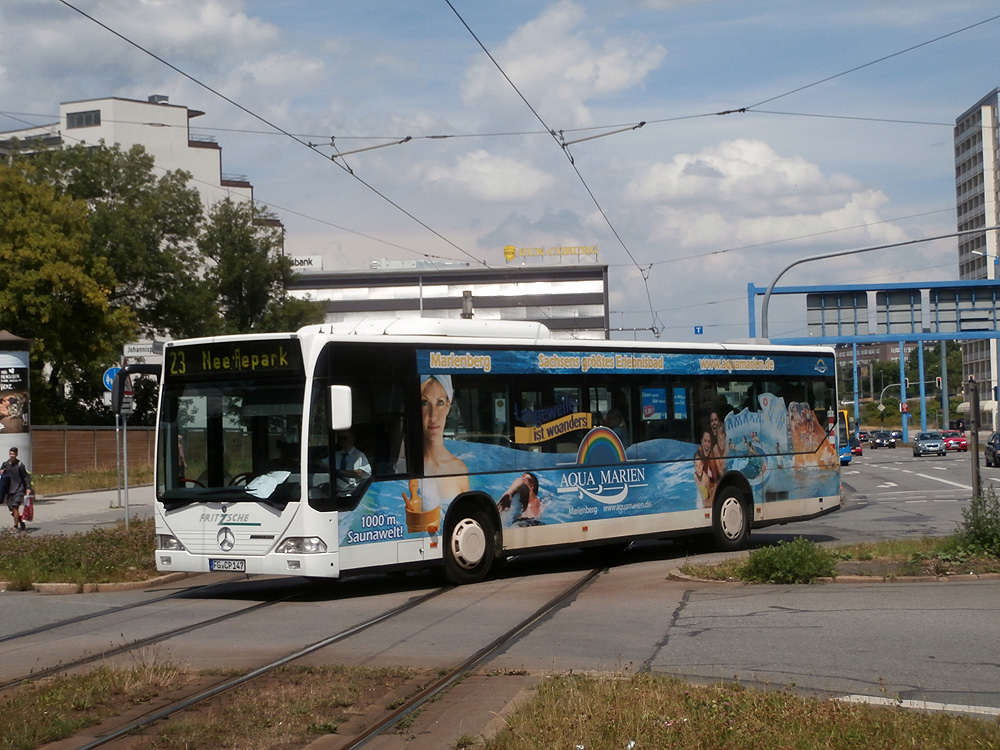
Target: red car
<point>955,440</point>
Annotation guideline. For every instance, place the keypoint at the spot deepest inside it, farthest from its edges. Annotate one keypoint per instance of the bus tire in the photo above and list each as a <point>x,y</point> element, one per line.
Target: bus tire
<point>470,547</point>
<point>730,519</point>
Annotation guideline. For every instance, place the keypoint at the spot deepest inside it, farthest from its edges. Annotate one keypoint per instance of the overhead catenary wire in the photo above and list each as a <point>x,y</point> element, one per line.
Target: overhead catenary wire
<point>644,270</point>
<point>430,257</point>
<point>565,147</point>
<point>276,127</point>
<point>869,64</point>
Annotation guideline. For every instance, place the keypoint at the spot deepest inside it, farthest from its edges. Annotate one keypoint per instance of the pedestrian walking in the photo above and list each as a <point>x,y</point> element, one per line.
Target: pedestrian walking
<point>20,481</point>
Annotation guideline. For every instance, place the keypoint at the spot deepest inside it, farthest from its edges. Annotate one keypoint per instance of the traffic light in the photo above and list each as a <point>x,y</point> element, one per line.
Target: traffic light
<point>906,382</point>
<point>938,381</point>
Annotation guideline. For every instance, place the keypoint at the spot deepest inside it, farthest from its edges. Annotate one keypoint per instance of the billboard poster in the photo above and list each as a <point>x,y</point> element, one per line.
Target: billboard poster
<point>14,404</point>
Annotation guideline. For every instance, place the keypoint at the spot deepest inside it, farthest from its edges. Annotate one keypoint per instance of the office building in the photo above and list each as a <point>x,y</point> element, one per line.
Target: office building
<point>163,129</point>
<point>977,181</point>
<point>570,299</point>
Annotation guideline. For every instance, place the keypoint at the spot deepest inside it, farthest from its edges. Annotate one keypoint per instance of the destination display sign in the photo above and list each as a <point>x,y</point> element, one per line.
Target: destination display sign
<point>226,359</point>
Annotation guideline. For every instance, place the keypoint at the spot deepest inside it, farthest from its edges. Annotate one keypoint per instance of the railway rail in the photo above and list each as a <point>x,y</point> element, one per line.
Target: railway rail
<point>113,737</point>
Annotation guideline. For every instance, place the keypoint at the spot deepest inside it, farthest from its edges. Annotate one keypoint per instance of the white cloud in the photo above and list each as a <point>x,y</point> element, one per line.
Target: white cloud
<point>213,41</point>
<point>488,177</point>
<point>558,66</point>
<point>743,192</point>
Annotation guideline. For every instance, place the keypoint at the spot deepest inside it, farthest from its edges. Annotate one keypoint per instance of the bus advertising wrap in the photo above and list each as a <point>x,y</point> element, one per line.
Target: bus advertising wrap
<point>778,446</point>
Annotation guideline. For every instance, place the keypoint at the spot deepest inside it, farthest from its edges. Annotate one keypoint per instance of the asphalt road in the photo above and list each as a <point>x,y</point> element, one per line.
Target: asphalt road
<point>936,642</point>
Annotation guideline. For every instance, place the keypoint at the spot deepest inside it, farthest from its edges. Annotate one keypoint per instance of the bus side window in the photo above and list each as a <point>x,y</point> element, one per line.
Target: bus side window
<point>388,431</point>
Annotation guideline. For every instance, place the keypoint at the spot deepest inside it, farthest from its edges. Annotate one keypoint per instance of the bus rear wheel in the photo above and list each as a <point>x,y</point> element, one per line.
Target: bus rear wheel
<point>470,548</point>
<point>730,519</point>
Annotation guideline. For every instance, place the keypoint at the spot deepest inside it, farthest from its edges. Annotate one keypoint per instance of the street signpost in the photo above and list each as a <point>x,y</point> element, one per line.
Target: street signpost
<point>109,376</point>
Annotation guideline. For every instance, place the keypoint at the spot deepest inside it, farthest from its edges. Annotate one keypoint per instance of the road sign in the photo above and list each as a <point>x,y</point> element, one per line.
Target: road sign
<point>109,376</point>
<point>146,349</point>
<point>127,389</point>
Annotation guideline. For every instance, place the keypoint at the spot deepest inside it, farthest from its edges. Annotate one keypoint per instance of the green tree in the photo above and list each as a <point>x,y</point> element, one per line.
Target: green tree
<point>250,273</point>
<point>56,292</point>
<point>144,223</point>
<point>932,368</point>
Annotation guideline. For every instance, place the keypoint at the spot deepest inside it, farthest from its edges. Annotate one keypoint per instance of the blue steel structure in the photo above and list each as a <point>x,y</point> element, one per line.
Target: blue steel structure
<point>899,318</point>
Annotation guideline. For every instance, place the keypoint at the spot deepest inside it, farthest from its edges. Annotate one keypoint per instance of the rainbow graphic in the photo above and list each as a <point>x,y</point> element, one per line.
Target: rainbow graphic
<point>600,446</point>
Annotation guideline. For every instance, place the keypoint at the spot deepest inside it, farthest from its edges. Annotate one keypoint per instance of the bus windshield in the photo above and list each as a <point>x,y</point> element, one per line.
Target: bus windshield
<point>231,441</point>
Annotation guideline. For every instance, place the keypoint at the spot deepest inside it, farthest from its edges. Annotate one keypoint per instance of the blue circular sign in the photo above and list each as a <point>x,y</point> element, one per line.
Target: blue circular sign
<point>109,376</point>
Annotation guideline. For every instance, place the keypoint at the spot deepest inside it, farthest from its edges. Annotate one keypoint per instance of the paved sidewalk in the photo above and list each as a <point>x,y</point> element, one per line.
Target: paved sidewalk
<point>70,513</point>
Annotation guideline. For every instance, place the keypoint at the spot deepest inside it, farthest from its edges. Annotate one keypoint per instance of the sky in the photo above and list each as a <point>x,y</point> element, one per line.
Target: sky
<point>838,134</point>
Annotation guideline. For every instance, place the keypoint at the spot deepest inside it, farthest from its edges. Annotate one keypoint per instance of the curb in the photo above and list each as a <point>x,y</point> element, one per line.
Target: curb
<point>91,588</point>
<point>676,575</point>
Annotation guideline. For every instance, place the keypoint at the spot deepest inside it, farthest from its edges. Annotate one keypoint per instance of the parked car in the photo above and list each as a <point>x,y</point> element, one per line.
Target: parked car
<point>856,446</point>
<point>929,442</point>
<point>883,439</point>
<point>992,450</point>
<point>955,440</point>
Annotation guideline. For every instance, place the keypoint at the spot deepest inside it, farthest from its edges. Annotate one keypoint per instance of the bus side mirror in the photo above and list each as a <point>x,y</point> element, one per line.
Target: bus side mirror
<point>118,385</point>
<point>340,407</point>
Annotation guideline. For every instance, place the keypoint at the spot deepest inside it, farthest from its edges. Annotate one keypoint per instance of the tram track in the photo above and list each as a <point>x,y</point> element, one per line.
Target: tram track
<point>134,645</point>
<point>31,637</point>
<point>391,717</point>
<point>34,632</point>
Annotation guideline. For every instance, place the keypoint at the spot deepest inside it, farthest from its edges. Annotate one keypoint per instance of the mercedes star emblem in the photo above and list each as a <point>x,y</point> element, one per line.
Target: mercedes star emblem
<point>226,539</point>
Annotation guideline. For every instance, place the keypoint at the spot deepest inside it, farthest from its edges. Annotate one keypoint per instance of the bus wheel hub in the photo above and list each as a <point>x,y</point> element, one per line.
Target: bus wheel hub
<point>468,543</point>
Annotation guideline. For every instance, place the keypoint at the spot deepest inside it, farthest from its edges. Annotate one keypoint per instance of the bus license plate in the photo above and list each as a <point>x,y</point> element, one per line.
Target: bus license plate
<point>229,566</point>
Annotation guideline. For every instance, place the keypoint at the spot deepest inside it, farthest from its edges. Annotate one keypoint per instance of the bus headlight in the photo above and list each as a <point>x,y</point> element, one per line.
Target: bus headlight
<point>166,541</point>
<point>301,545</point>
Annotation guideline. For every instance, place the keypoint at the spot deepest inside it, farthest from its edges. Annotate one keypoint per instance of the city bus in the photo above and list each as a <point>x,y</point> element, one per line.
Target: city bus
<point>398,444</point>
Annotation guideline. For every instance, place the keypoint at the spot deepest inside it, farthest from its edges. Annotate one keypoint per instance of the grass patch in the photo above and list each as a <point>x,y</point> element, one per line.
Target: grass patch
<point>973,549</point>
<point>102,479</point>
<point>652,711</point>
<point>286,708</point>
<point>54,709</point>
<point>103,555</point>
<point>788,562</point>
<point>289,707</point>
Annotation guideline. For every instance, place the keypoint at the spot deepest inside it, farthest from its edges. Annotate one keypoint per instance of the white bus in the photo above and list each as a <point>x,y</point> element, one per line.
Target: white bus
<point>405,443</point>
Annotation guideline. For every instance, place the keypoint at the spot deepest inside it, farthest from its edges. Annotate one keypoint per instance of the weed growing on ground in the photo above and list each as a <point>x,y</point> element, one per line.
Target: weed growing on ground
<point>979,532</point>
<point>796,561</point>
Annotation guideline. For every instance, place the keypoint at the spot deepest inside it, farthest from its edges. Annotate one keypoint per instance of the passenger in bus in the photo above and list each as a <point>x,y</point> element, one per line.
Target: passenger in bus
<point>525,489</point>
<point>615,422</point>
<point>351,464</point>
<point>706,470</point>
<point>436,393</point>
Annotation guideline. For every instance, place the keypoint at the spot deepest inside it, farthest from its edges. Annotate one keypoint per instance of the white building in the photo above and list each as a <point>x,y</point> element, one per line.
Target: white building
<point>570,299</point>
<point>163,129</point>
<point>977,182</point>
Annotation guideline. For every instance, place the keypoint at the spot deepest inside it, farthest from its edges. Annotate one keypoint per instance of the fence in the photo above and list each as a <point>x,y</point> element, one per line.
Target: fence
<point>67,450</point>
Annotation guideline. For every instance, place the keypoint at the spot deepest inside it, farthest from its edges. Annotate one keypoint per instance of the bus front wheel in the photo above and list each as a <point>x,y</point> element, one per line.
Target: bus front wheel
<point>470,548</point>
<point>730,519</point>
